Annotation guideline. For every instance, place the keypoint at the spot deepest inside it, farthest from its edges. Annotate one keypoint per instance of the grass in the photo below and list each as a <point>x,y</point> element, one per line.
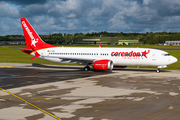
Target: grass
<point>121,46</point>
<point>10,55</point>
<point>175,53</point>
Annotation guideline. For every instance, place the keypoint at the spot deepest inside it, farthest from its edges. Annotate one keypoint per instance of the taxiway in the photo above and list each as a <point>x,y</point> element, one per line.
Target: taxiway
<point>72,94</point>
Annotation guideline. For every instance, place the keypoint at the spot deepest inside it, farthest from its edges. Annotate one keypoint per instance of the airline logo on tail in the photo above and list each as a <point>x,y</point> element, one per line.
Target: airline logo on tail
<point>33,40</point>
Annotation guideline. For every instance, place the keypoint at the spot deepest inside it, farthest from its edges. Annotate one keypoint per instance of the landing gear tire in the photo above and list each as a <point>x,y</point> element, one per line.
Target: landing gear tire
<point>158,70</point>
<point>87,68</point>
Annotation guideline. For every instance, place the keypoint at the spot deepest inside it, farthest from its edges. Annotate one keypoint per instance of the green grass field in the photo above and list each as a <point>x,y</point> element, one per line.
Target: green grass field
<point>10,55</point>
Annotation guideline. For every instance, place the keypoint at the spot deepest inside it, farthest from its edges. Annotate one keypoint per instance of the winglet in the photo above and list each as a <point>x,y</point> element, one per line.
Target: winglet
<point>36,53</point>
<point>100,46</point>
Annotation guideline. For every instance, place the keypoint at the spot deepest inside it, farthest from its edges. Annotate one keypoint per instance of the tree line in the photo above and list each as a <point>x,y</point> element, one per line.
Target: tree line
<point>145,38</point>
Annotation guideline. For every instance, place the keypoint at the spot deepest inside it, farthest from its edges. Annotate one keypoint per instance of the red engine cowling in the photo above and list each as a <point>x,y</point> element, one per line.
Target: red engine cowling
<point>103,65</point>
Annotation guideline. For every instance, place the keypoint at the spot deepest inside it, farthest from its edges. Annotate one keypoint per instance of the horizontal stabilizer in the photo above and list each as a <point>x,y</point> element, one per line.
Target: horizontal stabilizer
<point>26,50</point>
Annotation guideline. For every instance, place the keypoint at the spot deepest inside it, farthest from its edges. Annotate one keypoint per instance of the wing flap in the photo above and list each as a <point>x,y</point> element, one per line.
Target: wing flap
<point>76,60</point>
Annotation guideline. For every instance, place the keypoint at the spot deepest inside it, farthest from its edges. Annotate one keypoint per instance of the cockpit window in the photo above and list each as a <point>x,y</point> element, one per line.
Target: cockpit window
<point>166,54</point>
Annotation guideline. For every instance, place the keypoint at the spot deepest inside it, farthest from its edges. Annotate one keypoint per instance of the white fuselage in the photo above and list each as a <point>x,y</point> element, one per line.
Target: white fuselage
<point>119,56</point>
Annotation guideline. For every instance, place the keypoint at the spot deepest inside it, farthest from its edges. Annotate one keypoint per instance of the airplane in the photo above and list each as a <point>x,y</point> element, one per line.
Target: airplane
<point>99,58</point>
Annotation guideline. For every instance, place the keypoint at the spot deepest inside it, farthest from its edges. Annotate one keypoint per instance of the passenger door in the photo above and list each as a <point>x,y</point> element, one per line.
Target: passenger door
<point>154,56</point>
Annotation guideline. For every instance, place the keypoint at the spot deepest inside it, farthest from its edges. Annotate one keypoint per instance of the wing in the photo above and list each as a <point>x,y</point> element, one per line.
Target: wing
<point>84,61</point>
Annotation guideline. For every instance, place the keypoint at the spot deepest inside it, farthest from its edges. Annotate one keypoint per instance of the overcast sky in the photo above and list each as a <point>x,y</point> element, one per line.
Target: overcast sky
<point>75,16</point>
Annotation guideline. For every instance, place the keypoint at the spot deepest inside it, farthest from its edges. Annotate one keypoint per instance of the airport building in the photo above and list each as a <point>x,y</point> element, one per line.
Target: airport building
<point>128,42</point>
<point>104,40</point>
<point>172,43</point>
<point>14,41</point>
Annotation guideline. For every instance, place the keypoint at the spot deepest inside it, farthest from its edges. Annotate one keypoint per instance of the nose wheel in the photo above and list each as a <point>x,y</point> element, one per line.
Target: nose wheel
<point>158,70</point>
<point>87,68</point>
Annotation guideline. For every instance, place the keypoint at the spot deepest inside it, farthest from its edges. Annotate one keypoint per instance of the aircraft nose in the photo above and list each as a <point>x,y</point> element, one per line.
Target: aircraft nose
<point>173,59</point>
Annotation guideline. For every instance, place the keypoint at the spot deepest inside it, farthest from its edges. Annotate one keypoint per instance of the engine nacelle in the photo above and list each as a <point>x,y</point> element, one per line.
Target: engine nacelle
<point>103,65</point>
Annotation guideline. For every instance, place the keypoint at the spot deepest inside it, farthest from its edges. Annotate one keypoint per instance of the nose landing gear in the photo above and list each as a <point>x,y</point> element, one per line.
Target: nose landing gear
<point>158,70</point>
<point>159,67</point>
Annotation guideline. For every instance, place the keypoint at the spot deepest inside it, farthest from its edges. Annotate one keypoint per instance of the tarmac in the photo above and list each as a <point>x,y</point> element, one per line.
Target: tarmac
<point>70,93</point>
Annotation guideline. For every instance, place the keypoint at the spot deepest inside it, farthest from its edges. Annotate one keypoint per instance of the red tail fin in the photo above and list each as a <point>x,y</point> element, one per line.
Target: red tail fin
<point>32,38</point>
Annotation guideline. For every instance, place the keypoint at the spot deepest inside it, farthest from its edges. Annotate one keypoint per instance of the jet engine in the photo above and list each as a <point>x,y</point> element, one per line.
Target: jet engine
<point>103,65</point>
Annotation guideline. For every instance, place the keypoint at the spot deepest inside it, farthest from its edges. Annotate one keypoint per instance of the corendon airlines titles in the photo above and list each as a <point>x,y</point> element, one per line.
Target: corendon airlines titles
<point>28,31</point>
<point>130,54</point>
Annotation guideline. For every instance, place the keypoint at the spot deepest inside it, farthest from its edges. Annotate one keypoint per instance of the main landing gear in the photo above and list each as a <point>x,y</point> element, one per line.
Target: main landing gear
<point>87,68</point>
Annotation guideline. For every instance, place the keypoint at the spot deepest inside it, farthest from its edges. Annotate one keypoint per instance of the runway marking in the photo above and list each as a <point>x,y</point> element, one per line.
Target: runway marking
<point>31,104</point>
<point>6,66</point>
